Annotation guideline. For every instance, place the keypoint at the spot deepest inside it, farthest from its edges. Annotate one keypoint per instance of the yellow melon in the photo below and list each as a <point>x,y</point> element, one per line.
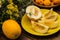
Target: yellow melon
<point>11,29</point>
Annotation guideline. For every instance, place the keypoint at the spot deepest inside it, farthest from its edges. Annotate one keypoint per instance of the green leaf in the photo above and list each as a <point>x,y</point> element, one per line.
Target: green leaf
<point>20,1</point>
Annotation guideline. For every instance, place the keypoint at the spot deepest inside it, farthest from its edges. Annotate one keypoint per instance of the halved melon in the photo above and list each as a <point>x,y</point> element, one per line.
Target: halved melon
<point>33,12</point>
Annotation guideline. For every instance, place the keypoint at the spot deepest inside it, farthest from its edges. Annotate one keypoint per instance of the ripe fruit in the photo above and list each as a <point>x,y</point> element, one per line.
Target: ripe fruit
<point>11,29</point>
<point>50,23</point>
<point>56,1</point>
<point>47,2</point>
<point>39,1</point>
<point>39,27</point>
<point>33,12</point>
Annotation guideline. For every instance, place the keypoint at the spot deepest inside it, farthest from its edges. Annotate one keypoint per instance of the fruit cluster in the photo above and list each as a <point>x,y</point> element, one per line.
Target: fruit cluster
<point>47,2</point>
<point>41,23</point>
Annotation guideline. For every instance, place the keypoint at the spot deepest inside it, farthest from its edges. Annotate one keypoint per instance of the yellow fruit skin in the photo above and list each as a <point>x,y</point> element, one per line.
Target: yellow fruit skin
<point>11,29</point>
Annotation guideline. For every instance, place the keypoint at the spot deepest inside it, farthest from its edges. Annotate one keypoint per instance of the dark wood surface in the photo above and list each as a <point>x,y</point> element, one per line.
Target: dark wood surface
<point>26,36</point>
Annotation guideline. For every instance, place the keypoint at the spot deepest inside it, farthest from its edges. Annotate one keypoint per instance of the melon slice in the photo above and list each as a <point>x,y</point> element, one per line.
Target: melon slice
<point>39,27</point>
<point>49,23</point>
<point>48,14</point>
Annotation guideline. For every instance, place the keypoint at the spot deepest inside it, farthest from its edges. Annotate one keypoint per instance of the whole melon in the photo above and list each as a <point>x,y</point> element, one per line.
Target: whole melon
<point>11,29</point>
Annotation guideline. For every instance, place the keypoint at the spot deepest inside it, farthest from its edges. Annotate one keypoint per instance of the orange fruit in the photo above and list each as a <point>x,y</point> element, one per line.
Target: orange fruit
<point>56,1</point>
<point>47,2</point>
<point>39,1</point>
<point>11,29</point>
